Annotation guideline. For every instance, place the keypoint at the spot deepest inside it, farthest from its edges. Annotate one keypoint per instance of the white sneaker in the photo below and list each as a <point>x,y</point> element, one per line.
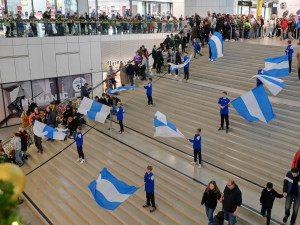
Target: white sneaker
<point>193,163</point>
<point>82,161</point>
<point>169,74</point>
<point>199,166</point>
<point>78,160</point>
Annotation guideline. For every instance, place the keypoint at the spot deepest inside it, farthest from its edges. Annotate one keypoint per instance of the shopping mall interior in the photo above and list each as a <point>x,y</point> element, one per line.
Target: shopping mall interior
<point>104,103</point>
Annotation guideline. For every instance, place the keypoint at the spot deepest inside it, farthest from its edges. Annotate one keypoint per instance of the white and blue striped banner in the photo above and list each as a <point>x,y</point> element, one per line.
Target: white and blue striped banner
<point>94,110</point>
<point>274,85</point>
<point>277,66</point>
<point>176,67</point>
<point>109,192</point>
<point>254,105</point>
<point>216,45</point>
<point>121,89</point>
<point>163,128</point>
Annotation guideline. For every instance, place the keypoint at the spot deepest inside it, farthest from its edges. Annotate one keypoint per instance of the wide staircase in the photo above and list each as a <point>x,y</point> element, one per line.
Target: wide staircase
<point>252,153</point>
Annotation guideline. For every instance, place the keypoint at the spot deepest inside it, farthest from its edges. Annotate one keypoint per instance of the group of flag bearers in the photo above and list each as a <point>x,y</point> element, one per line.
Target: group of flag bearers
<point>110,192</point>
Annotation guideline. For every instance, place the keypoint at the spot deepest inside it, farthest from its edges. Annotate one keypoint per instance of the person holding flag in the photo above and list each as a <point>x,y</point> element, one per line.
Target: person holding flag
<point>186,67</point>
<point>223,104</point>
<point>197,147</point>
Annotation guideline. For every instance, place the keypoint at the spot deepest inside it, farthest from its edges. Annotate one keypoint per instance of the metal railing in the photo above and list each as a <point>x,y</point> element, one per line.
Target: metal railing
<point>26,28</point>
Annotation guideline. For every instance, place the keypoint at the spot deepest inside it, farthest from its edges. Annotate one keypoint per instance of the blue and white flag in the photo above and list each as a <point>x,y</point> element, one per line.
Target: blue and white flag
<point>277,66</point>
<point>176,67</point>
<point>43,130</point>
<point>94,110</point>
<point>216,45</point>
<point>163,128</point>
<point>274,85</point>
<point>109,192</point>
<point>111,92</point>
<point>254,105</point>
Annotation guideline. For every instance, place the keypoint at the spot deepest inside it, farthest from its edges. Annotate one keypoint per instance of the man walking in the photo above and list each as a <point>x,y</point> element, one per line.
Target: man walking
<point>291,191</point>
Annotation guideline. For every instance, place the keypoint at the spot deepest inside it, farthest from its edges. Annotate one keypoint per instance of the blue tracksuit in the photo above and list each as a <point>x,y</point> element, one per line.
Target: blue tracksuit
<point>79,139</point>
<point>196,142</point>
<point>258,82</point>
<point>148,88</point>
<point>149,180</point>
<point>290,52</point>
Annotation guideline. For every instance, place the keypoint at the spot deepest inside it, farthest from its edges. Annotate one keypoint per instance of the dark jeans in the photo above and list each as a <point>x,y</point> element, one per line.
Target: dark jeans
<point>150,197</point>
<point>290,65</point>
<point>186,73</point>
<point>121,125</point>
<point>229,217</point>
<point>263,213</point>
<point>288,203</point>
<point>38,143</point>
<point>226,117</point>
<point>80,152</point>
<point>210,214</point>
<point>131,79</point>
<point>150,100</point>
<point>197,152</point>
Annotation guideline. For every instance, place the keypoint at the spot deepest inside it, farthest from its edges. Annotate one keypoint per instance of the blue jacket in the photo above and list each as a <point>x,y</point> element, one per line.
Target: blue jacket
<point>258,81</point>
<point>196,141</point>
<point>119,112</point>
<point>79,139</point>
<point>291,51</point>
<point>149,88</point>
<point>184,60</point>
<point>149,182</point>
<point>288,183</point>
<point>196,46</point>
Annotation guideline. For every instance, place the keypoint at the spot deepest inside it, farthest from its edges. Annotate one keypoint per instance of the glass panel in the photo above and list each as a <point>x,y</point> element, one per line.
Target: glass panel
<point>44,91</point>
<point>22,7</point>
<point>16,97</point>
<point>70,86</point>
<point>92,8</point>
<point>67,6</point>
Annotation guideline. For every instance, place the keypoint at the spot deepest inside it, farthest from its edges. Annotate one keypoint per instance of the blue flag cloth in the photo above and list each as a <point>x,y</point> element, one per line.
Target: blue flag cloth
<point>121,89</point>
<point>254,105</point>
<point>43,130</point>
<point>109,192</point>
<point>94,110</point>
<point>277,66</point>
<point>216,45</point>
<point>163,128</point>
<point>274,85</point>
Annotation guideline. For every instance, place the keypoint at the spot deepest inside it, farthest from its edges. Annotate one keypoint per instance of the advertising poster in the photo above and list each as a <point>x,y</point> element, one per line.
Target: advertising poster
<point>16,96</point>
<point>70,86</point>
<point>44,91</point>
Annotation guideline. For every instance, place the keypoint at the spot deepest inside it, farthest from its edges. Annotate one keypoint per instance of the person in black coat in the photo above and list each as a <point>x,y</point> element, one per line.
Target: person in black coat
<point>267,198</point>
<point>210,198</point>
<point>159,61</point>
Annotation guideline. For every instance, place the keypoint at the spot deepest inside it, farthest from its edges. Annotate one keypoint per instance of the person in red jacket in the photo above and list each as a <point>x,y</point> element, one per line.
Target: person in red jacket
<point>284,24</point>
<point>296,161</point>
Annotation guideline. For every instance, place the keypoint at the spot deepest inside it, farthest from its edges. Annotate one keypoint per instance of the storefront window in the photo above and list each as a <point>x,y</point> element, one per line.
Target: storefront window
<point>22,7</point>
<point>92,8</point>
<point>66,6</point>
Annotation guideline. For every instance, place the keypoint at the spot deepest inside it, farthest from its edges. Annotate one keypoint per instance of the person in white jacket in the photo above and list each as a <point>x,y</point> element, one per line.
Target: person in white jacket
<point>18,148</point>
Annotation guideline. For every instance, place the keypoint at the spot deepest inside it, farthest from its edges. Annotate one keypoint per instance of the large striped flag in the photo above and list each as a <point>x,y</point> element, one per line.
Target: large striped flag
<point>274,85</point>
<point>94,110</point>
<point>277,66</point>
<point>216,45</point>
<point>109,192</point>
<point>254,105</point>
<point>163,128</point>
